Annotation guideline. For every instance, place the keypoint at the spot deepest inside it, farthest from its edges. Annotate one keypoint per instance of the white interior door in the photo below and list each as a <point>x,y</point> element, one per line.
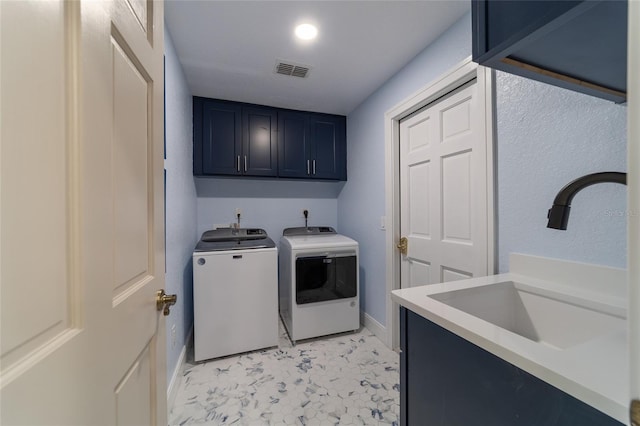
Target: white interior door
<point>443,190</point>
<point>81,213</point>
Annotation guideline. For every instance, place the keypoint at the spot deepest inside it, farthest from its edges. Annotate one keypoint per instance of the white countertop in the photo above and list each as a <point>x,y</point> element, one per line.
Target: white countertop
<point>595,372</point>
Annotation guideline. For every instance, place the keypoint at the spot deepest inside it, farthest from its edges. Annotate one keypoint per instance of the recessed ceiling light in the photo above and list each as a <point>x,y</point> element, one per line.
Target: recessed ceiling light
<point>306,32</point>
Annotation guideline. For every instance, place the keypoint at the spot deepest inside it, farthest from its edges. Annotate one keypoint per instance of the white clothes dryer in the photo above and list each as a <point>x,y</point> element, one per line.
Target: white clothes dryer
<point>319,281</point>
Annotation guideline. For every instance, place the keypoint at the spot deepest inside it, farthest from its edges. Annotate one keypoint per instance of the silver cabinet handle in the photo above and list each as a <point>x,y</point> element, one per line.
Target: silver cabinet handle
<point>314,167</point>
<point>245,163</point>
<point>308,169</point>
<point>238,164</point>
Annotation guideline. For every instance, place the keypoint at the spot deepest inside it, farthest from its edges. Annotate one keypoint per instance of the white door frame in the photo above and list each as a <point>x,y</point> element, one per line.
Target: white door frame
<point>460,74</point>
<point>633,195</point>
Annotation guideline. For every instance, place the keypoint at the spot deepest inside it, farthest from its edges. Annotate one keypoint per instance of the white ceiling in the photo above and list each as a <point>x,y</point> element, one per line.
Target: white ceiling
<point>228,49</point>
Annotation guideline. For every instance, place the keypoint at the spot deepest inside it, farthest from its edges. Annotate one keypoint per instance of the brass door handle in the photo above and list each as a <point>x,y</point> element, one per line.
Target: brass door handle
<point>403,245</point>
<point>165,301</point>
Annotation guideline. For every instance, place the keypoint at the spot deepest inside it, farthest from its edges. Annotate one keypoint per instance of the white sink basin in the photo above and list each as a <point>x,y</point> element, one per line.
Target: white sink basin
<point>562,321</point>
<point>555,320</point>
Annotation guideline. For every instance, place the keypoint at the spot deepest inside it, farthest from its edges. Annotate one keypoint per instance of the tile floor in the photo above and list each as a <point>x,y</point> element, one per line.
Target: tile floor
<point>346,379</point>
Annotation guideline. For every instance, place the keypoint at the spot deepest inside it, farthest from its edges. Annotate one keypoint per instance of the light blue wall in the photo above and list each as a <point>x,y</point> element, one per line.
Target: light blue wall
<point>362,201</point>
<point>181,234</point>
<point>269,204</point>
<point>548,136</point>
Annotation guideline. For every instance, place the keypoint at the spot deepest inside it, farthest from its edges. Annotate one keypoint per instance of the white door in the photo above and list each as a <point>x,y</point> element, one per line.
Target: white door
<point>81,213</point>
<point>443,190</point>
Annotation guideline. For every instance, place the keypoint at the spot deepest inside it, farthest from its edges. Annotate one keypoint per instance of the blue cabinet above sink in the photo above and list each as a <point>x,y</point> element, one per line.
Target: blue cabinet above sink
<point>577,45</point>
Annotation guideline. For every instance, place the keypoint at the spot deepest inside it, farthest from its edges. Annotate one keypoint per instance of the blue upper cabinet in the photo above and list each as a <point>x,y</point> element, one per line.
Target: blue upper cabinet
<point>312,145</point>
<point>293,144</point>
<point>259,141</point>
<point>578,45</point>
<point>237,139</point>
<point>217,127</point>
<point>232,139</point>
<point>328,148</point>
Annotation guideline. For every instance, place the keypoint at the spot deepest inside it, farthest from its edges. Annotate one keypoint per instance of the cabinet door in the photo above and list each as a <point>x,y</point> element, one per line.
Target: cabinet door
<point>293,144</point>
<point>259,141</point>
<point>328,147</point>
<point>574,44</point>
<point>221,138</point>
<point>446,380</point>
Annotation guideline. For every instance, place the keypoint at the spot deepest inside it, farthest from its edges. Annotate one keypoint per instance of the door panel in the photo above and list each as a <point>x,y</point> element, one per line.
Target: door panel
<point>443,190</point>
<point>81,224</point>
<point>132,392</point>
<point>131,153</point>
<point>260,141</point>
<point>419,217</point>
<point>419,273</point>
<point>456,198</point>
<point>456,119</point>
<point>139,8</point>
<point>37,291</point>
<point>324,148</point>
<point>420,134</point>
<point>222,138</point>
<point>448,275</point>
<point>327,147</point>
<point>293,144</point>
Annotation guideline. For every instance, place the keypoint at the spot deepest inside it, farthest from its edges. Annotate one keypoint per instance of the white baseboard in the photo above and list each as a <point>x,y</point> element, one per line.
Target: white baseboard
<point>174,384</point>
<point>374,326</point>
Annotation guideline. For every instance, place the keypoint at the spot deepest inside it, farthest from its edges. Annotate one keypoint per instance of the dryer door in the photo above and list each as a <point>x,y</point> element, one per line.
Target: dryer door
<point>323,278</point>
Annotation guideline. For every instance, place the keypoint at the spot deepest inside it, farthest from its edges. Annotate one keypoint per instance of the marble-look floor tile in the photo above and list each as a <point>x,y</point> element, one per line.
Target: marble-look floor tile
<point>347,379</point>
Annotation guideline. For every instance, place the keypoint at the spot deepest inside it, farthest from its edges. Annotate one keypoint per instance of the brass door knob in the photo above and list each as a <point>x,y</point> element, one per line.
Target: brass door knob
<point>403,245</point>
<point>165,301</point>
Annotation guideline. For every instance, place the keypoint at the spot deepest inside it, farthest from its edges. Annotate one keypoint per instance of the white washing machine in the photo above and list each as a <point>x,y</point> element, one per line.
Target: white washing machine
<point>235,292</point>
<point>319,282</point>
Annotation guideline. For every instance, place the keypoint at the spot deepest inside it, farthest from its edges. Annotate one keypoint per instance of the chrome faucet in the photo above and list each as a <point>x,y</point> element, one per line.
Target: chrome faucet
<point>559,213</point>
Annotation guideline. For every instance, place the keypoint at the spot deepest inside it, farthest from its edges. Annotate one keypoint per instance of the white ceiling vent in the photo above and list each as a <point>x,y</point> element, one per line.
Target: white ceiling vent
<point>292,69</point>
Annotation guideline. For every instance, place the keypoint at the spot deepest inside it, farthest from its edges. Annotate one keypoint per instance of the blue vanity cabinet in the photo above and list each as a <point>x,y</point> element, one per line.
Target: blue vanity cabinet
<point>312,145</point>
<point>234,139</point>
<point>447,381</point>
<point>577,45</point>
